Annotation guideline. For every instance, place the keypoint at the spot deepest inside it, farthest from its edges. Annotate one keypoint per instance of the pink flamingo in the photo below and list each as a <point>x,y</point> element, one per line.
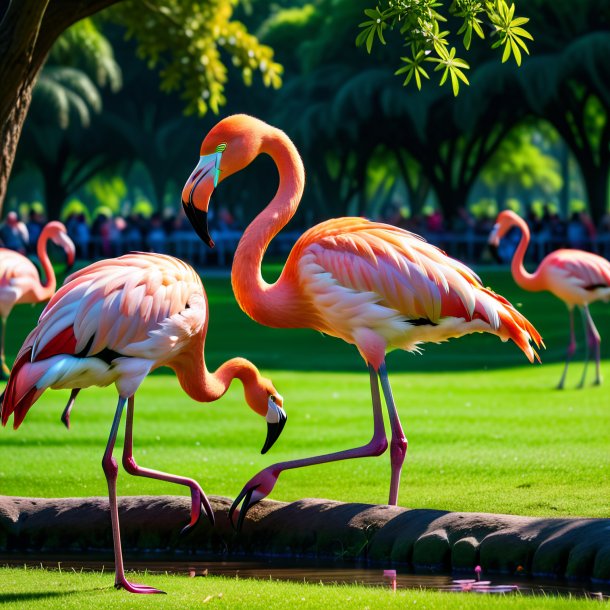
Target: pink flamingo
<point>574,276</point>
<point>373,285</point>
<point>114,322</point>
<point>19,279</point>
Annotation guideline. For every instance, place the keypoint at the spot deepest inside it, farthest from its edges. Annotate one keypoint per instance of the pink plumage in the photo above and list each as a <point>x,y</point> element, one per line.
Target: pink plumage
<point>114,322</point>
<point>20,281</point>
<point>373,285</point>
<point>577,277</point>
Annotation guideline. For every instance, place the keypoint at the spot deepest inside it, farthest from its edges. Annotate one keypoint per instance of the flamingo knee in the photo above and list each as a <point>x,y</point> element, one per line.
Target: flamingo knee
<point>129,464</point>
<point>378,445</point>
<point>111,467</point>
<point>398,450</point>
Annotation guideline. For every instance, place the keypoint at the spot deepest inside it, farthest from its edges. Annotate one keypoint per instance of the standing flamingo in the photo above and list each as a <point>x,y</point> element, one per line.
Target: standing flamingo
<point>19,279</point>
<point>373,285</point>
<point>114,322</point>
<point>574,276</point>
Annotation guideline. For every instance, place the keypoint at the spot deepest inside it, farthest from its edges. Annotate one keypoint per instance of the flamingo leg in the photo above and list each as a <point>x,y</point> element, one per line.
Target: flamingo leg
<point>570,351</point>
<point>65,416</point>
<point>110,466</point>
<point>4,371</point>
<point>593,341</point>
<point>261,484</point>
<point>198,497</point>
<point>398,444</point>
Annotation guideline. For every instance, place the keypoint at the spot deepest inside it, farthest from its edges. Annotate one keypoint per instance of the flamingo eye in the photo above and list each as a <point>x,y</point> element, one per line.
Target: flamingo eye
<point>221,147</point>
<point>273,398</point>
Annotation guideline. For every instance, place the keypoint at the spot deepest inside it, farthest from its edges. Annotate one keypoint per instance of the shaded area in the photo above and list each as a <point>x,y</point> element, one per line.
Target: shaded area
<point>426,541</point>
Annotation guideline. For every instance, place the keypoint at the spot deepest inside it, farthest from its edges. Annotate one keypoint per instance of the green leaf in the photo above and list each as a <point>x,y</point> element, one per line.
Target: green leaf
<point>506,53</point>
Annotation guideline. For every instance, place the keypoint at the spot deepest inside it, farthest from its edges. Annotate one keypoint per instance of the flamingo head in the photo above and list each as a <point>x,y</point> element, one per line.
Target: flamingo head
<point>504,222</point>
<point>265,400</point>
<point>58,234</point>
<point>231,145</point>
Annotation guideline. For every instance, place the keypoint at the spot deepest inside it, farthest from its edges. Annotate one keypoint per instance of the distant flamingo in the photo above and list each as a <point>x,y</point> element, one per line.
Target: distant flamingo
<point>574,276</point>
<point>19,279</point>
<point>114,322</point>
<point>373,285</point>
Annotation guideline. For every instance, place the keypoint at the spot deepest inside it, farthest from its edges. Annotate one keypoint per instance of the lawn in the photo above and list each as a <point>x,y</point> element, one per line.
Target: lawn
<point>487,431</point>
<point>66,589</point>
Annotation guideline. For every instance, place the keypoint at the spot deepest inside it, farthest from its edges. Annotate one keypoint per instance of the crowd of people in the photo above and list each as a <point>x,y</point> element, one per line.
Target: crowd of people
<point>109,235</point>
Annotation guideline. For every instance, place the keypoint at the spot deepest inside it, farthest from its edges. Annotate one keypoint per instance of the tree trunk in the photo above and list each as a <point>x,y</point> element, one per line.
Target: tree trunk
<point>27,32</point>
<point>596,185</point>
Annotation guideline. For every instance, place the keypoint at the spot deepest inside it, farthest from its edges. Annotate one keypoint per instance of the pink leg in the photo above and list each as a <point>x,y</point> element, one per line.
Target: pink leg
<point>198,497</point>
<point>398,444</point>
<point>4,370</point>
<point>570,352</point>
<point>593,342</point>
<point>261,484</point>
<point>110,466</point>
<point>65,416</point>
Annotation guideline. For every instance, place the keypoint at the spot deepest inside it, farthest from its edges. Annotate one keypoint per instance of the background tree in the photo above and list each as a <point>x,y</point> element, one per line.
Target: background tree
<point>184,40</point>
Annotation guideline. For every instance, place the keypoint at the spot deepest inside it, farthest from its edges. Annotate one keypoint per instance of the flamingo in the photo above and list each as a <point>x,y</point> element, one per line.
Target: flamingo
<point>575,276</point>
<point>373,285</point>
<point>114,322</point>
<point>20,282</point>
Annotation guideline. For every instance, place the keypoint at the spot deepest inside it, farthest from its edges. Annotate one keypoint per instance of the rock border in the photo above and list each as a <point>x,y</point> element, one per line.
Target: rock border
<point>423,540</point>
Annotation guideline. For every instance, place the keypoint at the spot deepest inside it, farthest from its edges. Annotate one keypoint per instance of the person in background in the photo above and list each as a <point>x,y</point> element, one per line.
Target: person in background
<point>14,233</point>
<point>34,227</point>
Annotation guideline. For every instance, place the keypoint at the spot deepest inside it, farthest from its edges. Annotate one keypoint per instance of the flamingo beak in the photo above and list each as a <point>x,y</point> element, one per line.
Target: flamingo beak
<point>63,241</point>
<point>197,192</point>
<point>276,420</point>
<point>494,242</point>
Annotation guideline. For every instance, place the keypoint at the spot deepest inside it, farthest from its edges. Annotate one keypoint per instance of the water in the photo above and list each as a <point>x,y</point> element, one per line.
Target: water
<point>340,573</point>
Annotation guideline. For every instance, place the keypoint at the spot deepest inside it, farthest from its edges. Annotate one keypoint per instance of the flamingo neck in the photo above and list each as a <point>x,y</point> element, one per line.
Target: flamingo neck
<point>50,282</point>
<point>523,278</point>
<point>270,304</point>
<point>207,386</point>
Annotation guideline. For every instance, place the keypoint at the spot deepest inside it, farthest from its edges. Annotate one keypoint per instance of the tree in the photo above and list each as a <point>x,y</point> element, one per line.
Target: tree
<point>420,21</point>
<point>184,40</point>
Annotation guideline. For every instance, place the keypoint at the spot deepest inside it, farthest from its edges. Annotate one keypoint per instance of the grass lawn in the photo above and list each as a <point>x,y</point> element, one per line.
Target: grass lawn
<point>52,589</point>
<point>487,432</point>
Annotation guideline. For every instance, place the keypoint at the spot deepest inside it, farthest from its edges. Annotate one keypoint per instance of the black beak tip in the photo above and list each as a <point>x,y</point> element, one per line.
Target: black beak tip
<point>495,253</point>
<point>199,222</point>
<point>273,433</point>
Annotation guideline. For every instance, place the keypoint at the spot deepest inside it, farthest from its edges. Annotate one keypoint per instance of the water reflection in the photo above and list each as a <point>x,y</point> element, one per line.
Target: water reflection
<point>339,573</point>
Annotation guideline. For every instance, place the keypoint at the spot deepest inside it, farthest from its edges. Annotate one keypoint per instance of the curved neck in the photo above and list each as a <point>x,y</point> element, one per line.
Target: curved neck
<point>520,274</point>
<point>206,386</point>
<point>50,283</point>
<point>260,300</point>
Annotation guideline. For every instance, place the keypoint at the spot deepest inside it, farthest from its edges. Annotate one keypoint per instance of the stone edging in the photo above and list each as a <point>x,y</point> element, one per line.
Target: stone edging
<point>425,540</point>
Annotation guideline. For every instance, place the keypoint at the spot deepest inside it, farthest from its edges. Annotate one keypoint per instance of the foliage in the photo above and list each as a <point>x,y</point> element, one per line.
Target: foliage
<point>419,23</point>
<point>186,41</point>
<point>80,61</point>
<point>522,163</point>
<point>109,190</point>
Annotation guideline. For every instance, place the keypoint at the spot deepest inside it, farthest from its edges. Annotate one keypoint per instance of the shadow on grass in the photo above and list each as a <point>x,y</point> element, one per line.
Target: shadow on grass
<point>8,598</point>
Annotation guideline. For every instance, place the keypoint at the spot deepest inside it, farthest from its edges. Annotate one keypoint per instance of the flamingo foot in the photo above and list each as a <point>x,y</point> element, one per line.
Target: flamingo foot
<point>132,587</point>
<point>199,501</point>
<point>257,488</point>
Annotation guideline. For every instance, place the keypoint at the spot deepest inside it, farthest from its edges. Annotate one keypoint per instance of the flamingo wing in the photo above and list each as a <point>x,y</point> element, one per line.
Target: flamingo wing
<point>364,275</point>
<point>116,317</point>
<point>17,275</point>
<point>141,304</point>
<point>580,269</point>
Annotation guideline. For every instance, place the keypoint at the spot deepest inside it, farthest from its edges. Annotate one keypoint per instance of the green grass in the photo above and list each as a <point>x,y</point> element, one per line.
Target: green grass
<point>487,432</point>
<point>66,589</point>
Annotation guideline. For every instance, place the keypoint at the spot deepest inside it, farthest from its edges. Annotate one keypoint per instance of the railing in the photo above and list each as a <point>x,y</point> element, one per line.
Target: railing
<point>187,246</point>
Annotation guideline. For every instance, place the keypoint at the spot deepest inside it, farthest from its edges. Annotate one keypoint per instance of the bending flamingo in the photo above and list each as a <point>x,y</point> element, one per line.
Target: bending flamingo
<point>373,285</point>
<point>576,277</point>
<point>19,279</point>
<point>114,322</point>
